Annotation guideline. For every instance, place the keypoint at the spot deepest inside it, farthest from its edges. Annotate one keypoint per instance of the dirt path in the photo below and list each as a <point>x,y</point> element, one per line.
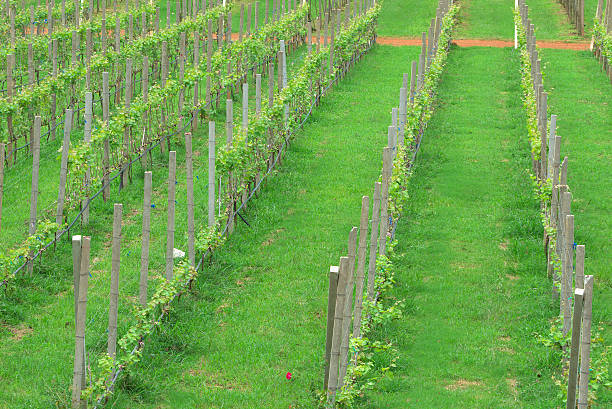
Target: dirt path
<point>558,45</point>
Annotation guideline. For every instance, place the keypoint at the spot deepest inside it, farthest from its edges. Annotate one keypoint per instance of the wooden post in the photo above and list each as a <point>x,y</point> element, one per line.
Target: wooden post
<point>171,207</point>
<point>334,361</point>
<point>34,191</point>
<point>413,74</point>
<point>168,13</point>
<point>374,241</point>
<point>241,27</point>
<point>258,95</point>
<point>348,306</point>
<point>309,34</point>
<point>245,110</point>
<point>566,279</point>
<point>105,117</point>
<point>12,23</point>
<point>361,258</point>
<point>551,146</point>
<point>87,139</point>
<point>2,159</point>
<point>403,115</point>
<point>54,70</point>
<point>543,133</point>
<point>580,266</point>
<point>585,347</point>
<point>421,73</point>
<point>76,271</point>
<point>79,349</point>
<point>190,205</point>
<point>209,45</point>
<point>331,310</point>
<point>196,86</point>
<point>229,134</point>
<point>88,53</point>
<point>211,174</point>
<point>384,206</point>
<point>59,215</point>
<point>114,282</point>
<point>248,19</point>
<point>430,43</point>
<point>391,132</point>
<point>146,234</point>
<point>575,347</point>
<point>284,65</point>
<point>220,33</point>
<point>126,131</point>
<point>270,85</point>
<point>145,99</point>
<point>182,57</point>
<point>325,31</point>
<point>256,17</point>
<point>31,67</point>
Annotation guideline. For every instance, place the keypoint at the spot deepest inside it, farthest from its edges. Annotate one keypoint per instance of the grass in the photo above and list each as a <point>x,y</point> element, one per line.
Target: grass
<point>469,259</point>
<point>406,18</point>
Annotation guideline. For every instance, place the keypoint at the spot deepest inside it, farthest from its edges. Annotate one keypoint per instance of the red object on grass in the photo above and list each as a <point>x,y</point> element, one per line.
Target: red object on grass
<point>288,376</point>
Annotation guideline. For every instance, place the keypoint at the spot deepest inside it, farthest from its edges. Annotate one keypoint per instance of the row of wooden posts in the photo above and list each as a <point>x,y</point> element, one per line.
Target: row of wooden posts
<point>161,69</point>
<point>35,26</point>
<point>81,245</point>
<point>346,281</point>
<point>88,119</point>
<point>604,16</point>
<point>575,12</point>
<point>570,283</point>
<point>106,182</point>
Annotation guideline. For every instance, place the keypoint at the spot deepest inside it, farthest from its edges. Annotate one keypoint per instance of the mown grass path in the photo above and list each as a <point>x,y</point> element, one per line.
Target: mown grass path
<point>469,254</point>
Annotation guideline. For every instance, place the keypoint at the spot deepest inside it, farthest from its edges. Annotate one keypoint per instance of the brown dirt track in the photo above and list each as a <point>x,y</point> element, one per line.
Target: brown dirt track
<point>559,45</point>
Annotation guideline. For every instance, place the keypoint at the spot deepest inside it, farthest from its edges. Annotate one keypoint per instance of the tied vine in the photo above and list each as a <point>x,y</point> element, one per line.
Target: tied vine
<point>363,371</point>
<point>542,189</point>
<point>601,39</point>
<point>79,155</point>
<point>352,40</point>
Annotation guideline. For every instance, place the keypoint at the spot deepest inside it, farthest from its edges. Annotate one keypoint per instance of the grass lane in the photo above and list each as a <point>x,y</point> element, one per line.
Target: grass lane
<point>470,262</point>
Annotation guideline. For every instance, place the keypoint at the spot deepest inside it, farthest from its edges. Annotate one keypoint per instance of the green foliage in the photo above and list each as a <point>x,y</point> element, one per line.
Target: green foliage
<point>40,43</point>
<point>543,193</point>
<point>11,259</point>
<point>601,39</point>
<point>599,376</point>
<point>209,239</point>
<point>242,157</point>
<point>37,99</point>
<point>22,18</point>
<point>362,372</point>
<point>129,349</point>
